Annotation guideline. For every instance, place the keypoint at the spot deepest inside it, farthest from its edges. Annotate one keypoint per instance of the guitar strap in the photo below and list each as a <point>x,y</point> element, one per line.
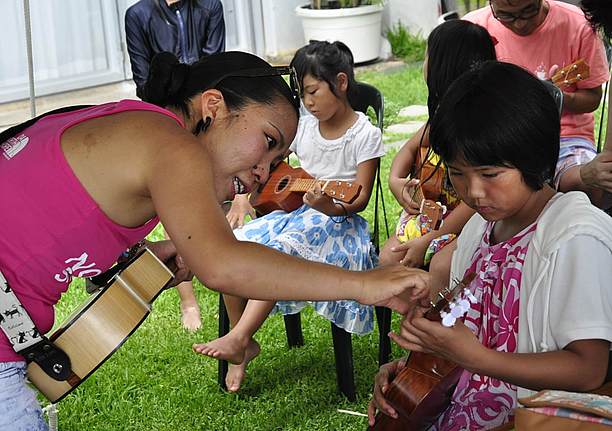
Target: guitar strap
<point>15,321</point>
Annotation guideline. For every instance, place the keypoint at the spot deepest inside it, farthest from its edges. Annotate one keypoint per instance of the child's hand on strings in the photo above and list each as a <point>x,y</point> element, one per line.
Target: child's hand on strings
<point>407,201</point>
<point>457,343</point>
<point>315,198</point>
<point>414,251</point>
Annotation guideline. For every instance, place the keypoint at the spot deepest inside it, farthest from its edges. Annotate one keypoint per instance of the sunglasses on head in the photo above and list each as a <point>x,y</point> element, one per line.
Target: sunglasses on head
<point>261,72</point>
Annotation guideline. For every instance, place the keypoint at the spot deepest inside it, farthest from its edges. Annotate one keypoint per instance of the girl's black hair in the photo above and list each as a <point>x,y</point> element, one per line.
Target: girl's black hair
<point>499,115</point>
<point>173,84</point>
<point>454,47</point>
<point>324,60</point>
<point>599,14</point>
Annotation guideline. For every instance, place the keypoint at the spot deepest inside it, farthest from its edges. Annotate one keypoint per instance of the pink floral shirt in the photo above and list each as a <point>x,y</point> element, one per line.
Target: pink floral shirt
<point>482,402</point>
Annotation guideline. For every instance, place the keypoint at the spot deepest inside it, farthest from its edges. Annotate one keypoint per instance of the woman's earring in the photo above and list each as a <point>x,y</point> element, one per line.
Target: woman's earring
<point>206,124</point>
<point>202,126</point>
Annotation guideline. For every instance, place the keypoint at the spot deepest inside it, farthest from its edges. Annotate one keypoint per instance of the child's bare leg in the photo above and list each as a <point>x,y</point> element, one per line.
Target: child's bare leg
<point>190,310</point>
<point>387,256</point>
<point>238,346</point>
<point>232,346</point>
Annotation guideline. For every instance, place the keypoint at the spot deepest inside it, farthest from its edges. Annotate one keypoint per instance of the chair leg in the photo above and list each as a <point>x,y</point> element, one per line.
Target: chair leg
<point>343,351</point>
<point>383,315</point>
<point>224,328</point>
<point>293,328</point>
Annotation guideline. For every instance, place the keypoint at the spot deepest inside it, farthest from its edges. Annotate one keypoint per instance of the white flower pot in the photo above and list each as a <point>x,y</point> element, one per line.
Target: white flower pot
<point>358,27</point>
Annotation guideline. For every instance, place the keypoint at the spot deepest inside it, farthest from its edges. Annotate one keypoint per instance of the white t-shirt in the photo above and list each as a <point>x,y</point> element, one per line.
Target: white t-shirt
<point>336,159</point>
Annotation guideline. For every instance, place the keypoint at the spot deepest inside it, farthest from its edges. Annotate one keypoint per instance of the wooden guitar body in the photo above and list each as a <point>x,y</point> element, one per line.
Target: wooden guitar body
<point>422,390</point>
<point>286,186</point>
<point>430,175</point>
<point>419,393</point>
<point>276,193</point>
<point>100,326</point>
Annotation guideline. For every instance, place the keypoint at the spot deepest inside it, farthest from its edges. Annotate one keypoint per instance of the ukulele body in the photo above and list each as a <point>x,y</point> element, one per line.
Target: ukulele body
<point>276,193</point>
<point>419,393</point>
<point>422,390</point>
<point>430,176</point>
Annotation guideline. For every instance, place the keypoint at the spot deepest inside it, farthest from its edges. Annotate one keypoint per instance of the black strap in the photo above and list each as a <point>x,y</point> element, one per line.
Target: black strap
<point>14,130</point>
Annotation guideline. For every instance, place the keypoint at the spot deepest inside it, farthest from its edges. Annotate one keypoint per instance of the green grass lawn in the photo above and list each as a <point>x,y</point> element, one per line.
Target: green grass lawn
<point>155,381</point>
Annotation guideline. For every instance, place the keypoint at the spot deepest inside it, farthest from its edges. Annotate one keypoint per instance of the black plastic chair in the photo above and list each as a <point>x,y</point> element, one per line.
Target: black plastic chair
<point>366,96</point>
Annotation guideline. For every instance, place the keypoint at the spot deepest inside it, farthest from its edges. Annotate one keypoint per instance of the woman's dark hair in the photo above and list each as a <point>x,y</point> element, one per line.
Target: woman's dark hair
<point>599,14</point>
<point>499,115</point>
<point>324,60</point>
<point>454,47</point>
<point>173,84</point>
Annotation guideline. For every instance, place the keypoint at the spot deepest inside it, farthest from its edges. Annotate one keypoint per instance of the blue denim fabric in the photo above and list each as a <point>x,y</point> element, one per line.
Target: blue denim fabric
<point>19,409</point>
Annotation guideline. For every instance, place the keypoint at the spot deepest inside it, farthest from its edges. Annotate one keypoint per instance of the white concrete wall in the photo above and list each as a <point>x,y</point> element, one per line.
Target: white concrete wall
<point>419,16</point>
<point>281,27</point>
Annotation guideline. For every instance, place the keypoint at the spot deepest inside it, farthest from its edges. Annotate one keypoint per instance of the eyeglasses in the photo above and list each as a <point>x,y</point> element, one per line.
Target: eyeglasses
<point>261,72</point>
<point>508,18</point>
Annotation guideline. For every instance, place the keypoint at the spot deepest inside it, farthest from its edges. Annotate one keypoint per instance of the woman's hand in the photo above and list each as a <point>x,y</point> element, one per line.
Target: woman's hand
<point>403,190</point>
<point>385,375</point>
<point>414,251</point>
<point>166,252</point>
<point>241,207</point>
<point>395,287</point>
<point>598,172</point>
<point>457,343</point>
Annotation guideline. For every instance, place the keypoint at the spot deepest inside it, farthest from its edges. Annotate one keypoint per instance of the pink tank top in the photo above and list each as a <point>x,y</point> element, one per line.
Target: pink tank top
<point>50,227</point>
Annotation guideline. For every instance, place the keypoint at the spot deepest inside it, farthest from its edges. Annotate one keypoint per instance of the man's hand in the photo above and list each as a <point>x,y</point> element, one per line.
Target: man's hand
<point>598,172</point>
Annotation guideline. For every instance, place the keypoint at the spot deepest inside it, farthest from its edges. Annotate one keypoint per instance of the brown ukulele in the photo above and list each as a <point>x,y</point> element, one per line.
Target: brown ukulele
<point>286,185</point>
<point>422,390</point>
<point>568,75</point>
<point>429,188</point>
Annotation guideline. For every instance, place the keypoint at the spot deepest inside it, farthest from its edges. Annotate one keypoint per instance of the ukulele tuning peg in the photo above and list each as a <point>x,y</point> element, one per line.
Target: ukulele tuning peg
<point>470,296</point>
<point>447,319</point>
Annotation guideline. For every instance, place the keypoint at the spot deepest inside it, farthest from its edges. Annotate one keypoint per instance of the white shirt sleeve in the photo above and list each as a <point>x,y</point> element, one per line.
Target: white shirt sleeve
<point>581,292</point>
<point>371,146</point>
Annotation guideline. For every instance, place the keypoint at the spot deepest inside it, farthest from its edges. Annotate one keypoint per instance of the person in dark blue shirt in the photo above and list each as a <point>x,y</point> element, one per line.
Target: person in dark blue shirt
<point>190,29</point>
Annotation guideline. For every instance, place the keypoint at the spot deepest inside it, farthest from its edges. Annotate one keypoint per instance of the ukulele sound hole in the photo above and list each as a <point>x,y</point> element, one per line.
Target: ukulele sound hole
<point>282,184</point>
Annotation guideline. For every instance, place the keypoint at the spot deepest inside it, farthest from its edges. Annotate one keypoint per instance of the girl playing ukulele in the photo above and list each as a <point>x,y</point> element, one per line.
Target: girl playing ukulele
<point>334,142</point>
<point>543,260</point>
<point>452,48</point>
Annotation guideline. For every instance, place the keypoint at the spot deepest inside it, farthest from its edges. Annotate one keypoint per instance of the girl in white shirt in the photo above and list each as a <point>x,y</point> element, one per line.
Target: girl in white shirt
<point>333,142</point>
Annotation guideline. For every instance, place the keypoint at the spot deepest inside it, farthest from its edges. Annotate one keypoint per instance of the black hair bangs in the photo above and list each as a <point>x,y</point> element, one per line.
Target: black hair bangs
<point>499,115</point>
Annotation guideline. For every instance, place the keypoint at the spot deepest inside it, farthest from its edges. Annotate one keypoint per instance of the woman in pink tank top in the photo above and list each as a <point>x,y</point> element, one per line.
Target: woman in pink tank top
<point>78,188</point>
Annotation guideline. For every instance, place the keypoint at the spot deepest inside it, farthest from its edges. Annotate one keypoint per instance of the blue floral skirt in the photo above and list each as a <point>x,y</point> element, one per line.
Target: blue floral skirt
<point>312,235</point>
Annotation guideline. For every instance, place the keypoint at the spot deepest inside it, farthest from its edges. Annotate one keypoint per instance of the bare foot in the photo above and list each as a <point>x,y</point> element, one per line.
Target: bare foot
<point>237,373</point>
<point>229,348</point>
<point>190,318</point>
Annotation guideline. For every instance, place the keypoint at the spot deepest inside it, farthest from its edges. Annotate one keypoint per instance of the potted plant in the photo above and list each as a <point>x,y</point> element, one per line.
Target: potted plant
<point>357,23</point>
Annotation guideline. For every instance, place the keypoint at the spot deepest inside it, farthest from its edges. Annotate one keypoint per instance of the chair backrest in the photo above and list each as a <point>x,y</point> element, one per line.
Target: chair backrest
<point>367,96</point>
<point>556,94</point>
